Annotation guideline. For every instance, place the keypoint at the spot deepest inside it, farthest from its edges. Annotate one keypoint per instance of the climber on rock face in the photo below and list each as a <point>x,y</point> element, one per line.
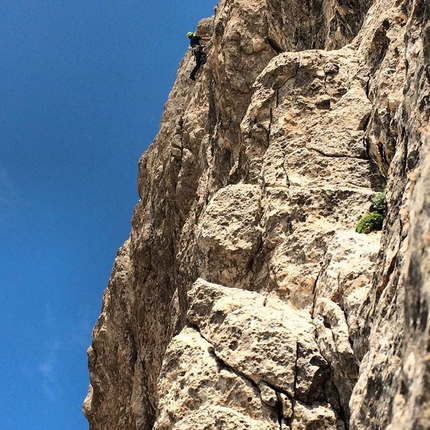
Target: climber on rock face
<point>198,52</point>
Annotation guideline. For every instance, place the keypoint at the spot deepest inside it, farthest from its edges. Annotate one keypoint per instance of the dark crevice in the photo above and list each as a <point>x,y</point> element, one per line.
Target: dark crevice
<point>253,259</point>
<point>296,370</point>
<point>383,154</point>
<point>323,154</point>
<point>287,180</point>
<point>368,88</point>
<point>181,126</point>
<point>279,409</point>
<point>330,388</point>
<point>379,47</point>
<point>314,298</point>
<point>405,154</point>
<point>294,75</point>
<point>277,389</point>
<point>132,358</point>
<point>366,144</point>
<point>270,126</point>
<point>220,362</point>
<point>364,123</point>
<point>339,407</point>
<point>274,45</point>
<point>270,41</point>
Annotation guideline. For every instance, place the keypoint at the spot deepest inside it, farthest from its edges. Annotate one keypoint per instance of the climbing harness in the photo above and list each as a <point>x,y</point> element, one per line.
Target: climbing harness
<point>199,50</point>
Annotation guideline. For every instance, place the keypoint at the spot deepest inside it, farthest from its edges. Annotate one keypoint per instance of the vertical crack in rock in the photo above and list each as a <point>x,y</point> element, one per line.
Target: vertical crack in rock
<point>365,122</point>
<point>269,131</point>
<point>330,385</point>
<point>279,409</point>
<point>222,363</point>
<point>339,407</point>
<point>314,295</point>
<point>296,372</point>
<point>253,261</point>
<point>366,144</point>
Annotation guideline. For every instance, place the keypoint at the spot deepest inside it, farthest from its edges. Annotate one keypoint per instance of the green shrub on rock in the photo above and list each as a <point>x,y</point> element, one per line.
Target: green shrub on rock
<point>370,222</point>
<point>373,220</point>
<point>379,203</point>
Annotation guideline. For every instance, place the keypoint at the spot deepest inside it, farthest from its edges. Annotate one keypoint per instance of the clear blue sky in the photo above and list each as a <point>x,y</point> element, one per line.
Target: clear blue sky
<point>82,88</point>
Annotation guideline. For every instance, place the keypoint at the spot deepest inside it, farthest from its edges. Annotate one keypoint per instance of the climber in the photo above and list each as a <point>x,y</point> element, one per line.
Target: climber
<point>198,52</point>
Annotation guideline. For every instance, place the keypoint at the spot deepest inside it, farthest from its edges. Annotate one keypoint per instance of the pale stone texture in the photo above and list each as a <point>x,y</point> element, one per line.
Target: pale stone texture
<point>389,329</point>
<point>193,380</point>
<point>243,297</point>
<point>304,144</point>
<point>412,402</point>
<point>240,353</point>
<point>228,234</point>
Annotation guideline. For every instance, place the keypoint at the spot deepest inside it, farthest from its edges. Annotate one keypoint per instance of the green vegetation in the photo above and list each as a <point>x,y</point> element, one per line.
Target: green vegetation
<point>370,222</point>
<point>373,220</point>
<point>379,203</point>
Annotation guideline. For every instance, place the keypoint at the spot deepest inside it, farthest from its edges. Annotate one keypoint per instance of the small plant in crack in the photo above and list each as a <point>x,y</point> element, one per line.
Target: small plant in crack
<point>379,205</point>
<point>373,220</point>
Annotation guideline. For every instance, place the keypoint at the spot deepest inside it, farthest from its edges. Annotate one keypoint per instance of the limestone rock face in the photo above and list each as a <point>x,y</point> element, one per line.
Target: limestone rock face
<point>244,298</point>
<point>253,358</point>
<point>228,235</point>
